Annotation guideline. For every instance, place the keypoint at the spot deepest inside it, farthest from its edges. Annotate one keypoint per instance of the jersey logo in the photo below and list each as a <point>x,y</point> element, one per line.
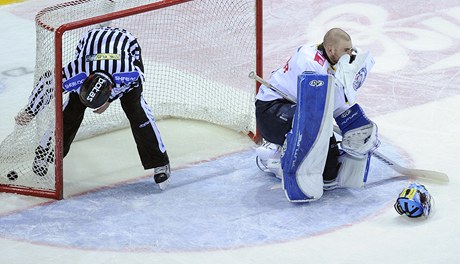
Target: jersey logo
<point>319,58</point>
<point>102,56</point>
<point>359,78</point>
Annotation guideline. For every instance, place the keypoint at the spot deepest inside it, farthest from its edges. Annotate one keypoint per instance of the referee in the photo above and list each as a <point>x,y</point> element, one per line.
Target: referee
<point>107,66</point>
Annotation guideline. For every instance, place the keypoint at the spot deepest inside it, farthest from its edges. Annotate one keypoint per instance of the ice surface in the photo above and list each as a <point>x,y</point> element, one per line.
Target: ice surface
<point>220,208</point>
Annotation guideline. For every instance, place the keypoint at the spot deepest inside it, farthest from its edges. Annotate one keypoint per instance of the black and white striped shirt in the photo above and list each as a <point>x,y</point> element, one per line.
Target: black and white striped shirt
<point>113,50</point>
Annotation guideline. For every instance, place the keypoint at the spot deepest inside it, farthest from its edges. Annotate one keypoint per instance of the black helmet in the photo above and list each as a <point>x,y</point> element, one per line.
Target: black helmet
<point>96,89</point>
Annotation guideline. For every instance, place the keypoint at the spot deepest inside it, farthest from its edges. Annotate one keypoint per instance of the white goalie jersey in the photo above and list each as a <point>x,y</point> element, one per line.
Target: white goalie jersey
<point>306,58</point>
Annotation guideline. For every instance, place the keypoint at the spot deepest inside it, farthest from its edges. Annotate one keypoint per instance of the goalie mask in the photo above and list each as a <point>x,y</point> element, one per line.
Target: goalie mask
<point>414,201</point>
<point>96,89</point>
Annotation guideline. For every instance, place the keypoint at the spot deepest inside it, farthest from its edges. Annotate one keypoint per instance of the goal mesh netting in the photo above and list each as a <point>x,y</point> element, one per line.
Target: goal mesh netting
<point>197,56</point>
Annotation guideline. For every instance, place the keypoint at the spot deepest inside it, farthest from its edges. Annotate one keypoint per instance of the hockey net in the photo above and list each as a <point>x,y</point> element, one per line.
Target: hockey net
<point>197,55</point>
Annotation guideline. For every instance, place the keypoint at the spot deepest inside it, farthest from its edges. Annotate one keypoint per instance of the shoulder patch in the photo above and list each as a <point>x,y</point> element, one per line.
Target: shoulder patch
<point>319,58</point>
<point>74,82</point>
<point>123,78</point>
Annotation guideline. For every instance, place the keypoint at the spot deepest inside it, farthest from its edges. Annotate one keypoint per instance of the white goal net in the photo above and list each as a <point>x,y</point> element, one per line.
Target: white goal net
<point>196,54</point>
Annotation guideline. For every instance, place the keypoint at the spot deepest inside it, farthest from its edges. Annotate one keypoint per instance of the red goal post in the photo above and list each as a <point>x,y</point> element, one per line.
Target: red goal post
<point>197,56</point>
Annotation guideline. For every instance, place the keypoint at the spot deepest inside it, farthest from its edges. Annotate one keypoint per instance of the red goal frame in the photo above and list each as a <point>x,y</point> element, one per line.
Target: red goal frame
<point>59,32</point>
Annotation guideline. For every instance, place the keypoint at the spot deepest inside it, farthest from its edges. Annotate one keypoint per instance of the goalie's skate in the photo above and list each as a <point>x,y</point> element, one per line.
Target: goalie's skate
<point>268,158</point>
<point>272,166</point>
<point>161,176</point>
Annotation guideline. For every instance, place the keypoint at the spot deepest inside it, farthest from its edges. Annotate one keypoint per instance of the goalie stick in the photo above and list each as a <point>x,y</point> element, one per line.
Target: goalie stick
<point>417,173</point>
<point>254,76</point>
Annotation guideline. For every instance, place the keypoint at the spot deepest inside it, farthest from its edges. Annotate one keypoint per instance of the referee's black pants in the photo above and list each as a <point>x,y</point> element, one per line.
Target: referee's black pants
<point>146,134</point>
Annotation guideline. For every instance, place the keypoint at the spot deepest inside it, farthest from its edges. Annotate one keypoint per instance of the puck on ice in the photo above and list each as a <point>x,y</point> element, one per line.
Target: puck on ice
<point>12,175</point>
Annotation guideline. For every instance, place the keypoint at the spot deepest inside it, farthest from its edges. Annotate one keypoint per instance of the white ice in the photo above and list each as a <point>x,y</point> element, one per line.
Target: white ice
<point>111,215</point>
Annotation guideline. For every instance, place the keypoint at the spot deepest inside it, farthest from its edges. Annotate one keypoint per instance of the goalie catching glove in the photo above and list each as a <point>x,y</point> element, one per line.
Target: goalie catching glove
<point>359,134</point>
<point>351,75</point>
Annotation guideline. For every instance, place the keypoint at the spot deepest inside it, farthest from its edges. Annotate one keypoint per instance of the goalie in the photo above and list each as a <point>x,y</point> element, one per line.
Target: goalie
<point>324,80</point>
<point>107,66</point>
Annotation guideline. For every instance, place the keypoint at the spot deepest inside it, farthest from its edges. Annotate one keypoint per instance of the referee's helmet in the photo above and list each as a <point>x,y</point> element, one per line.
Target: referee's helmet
<point>96,89</point>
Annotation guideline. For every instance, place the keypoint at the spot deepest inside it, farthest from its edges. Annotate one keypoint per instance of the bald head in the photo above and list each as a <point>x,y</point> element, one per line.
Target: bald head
<point>337,42</point>
<point>334,36</point>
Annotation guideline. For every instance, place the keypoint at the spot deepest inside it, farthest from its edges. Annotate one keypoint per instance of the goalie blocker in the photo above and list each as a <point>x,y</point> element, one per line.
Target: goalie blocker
<point>359,141</point>
<point>306,145</point>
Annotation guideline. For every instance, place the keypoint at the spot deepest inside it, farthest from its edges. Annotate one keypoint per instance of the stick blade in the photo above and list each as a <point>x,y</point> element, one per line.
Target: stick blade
<point>428,175</point>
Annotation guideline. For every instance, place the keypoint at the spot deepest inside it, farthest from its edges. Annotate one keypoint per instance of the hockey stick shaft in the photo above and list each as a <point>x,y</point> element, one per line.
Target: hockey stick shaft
<point>254,76</point>
<point>423,174</point>
<point>416,173</point>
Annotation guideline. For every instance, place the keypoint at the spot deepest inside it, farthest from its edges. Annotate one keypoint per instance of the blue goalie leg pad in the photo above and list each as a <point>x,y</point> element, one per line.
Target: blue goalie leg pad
<point>292,190</point>
<point>308,124</point>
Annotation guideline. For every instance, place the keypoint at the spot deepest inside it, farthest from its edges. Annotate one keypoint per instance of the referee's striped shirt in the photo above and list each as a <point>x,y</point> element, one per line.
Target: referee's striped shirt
<point>113,50</point>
